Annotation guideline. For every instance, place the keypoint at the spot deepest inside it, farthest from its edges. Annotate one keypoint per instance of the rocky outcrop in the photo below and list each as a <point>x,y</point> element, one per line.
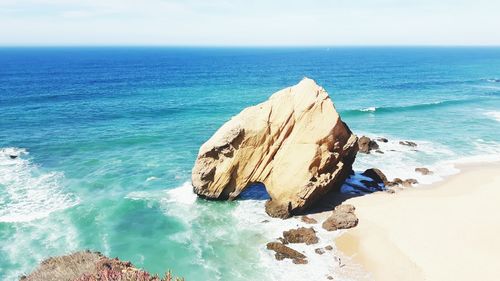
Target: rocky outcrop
<point>285,252</point>
<point>300,235</point>
<point>342,217</point>
<point>294,143</point>
<point>365,144</point>
<point>91,266</point>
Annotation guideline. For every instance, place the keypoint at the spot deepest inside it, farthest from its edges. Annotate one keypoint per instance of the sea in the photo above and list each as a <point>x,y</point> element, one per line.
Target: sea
<point>97,145</point>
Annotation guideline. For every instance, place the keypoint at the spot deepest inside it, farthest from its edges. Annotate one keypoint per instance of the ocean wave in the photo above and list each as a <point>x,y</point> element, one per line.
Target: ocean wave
<point>369,109</point>
<point>402,108</point>
<point>27,193</point>
<point>493,80</point>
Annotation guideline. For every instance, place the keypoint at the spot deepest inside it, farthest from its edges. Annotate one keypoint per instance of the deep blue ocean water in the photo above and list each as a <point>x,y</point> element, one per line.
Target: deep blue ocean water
<point>107,138</point>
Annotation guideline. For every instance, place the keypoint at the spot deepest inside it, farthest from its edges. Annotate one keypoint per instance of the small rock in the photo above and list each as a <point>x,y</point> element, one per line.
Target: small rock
<point>329,248</point>
<point>365,144</point>
<point>308,220</point>
<point>376,175</point>
<point>409,182</point>
<point>395,182</point>
<point>12,156</point>
<point>265,221</point>
<point>423,171</point>
<point>301,235</point>
<point>319,251</point>
<point>390,191</point>
<point>408,143</point>
<point>382,139</point>
<point>379,151</point>
<point>284,252</point>
<point>329,277</point>
<point>341,218</point>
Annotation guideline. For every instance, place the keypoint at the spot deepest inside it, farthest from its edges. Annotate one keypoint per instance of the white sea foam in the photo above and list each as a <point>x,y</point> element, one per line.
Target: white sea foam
<point>369,109</point>
<point>400,161</point>
<point>183,194</point>
<point>151,179</point>
<point>493,80</point>
<point>495,115</point>
<point>27,193</point>
<point>33,241</point>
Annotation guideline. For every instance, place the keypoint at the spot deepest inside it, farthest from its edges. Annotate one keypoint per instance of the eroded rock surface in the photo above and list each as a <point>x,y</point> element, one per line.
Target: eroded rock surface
<point>285,252</point>
<point>294,143</point>
<point>301,235</point>
<point>366,144</point>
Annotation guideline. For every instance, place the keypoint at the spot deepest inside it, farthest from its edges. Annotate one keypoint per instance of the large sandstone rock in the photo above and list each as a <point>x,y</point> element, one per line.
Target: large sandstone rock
<point>294,143</point>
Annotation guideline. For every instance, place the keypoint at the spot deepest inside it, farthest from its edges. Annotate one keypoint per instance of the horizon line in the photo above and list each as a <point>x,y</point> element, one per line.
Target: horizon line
<point>245,46</point>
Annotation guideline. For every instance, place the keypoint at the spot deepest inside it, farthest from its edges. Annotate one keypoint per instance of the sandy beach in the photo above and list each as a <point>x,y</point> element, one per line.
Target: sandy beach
<point>447,231</point>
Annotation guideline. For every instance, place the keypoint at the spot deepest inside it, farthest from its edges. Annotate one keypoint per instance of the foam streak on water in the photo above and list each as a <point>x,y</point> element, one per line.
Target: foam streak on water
<point>28,194</point>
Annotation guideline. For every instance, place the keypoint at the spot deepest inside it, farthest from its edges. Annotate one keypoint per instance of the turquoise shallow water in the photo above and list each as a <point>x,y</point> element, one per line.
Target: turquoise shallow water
<point>107,138</point>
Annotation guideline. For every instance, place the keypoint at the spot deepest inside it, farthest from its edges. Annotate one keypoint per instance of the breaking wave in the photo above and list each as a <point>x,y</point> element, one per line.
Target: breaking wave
<point>389,109</point>
<point>27,193</point>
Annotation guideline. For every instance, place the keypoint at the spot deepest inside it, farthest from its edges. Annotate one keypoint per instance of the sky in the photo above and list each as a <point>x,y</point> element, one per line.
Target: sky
<point>249,22</point>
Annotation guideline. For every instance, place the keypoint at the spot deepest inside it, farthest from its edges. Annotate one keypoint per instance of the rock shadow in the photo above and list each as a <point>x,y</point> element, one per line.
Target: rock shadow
<point>354,186</point>
<point>254,191</point>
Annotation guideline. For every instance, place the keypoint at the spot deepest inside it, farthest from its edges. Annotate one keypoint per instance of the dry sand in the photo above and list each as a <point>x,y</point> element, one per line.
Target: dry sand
<point>449,231</point>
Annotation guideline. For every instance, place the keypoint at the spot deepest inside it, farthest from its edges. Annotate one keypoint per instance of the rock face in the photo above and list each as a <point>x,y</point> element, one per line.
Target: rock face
<point>285,252</point>
<point>342,217</point>
<point>300,235</point>
<point>294,143</point>
<point>90,266</point>
<point>366,144</point>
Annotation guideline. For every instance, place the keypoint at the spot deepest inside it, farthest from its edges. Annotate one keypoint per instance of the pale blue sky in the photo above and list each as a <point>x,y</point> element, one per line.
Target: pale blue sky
<point>258,22</point>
